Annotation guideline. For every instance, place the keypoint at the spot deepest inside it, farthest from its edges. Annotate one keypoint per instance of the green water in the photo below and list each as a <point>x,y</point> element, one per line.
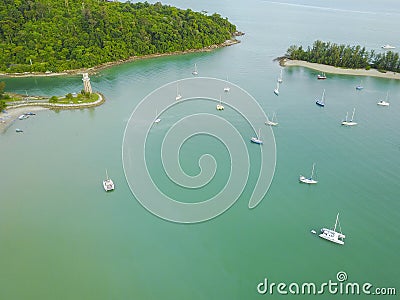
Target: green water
<point>63,237</point>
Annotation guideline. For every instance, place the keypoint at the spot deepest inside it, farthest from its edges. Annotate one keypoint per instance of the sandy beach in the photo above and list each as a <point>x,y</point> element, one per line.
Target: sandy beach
<point>342,71</point>
<point>11,115</point>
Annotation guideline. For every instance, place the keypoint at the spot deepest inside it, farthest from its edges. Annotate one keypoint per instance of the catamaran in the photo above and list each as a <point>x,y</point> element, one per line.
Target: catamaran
<point>320,102</point>
<point>219,105</point>
<point>309,180</point>
<point>108,184</point>
<point>276,90</point>
<point>272,122</point>
<point>351,122</point>
<point>384,102</point>
<point>257,139</point>
<point>332,235</point>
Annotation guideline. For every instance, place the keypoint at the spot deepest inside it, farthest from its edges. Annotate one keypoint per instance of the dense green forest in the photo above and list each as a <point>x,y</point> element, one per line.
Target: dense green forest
<point>56,35</point>
<point>345,56</point>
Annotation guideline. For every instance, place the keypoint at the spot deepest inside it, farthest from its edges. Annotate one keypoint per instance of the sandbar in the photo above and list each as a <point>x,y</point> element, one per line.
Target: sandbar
<point>341,71</point>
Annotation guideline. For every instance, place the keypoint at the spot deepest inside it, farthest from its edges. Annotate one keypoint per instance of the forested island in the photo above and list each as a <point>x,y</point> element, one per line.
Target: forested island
<point>345,56</point>
<point>58,35</point>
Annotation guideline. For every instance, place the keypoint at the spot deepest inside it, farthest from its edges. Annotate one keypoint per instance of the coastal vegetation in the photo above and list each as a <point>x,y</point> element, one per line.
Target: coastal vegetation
<point>58,35</point>
<point>345,56</point>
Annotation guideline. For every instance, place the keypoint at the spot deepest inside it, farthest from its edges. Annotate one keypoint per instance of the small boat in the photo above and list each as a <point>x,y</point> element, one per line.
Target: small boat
<point>276,90</point>
<point>359,87</point>
<point>321,102</point>
<point>219,105</point>
<point>257,140</point>
<point>23,116</point>
<point>321,76</point>
<point>351,122</point>
<point>195,70</point>
<point>332,235</point>
<point>272,122</point>
<point>178,96</point>
<point>388,47</point>
<point>108,184</point>
<point>18,130</point>
<point>280,79</point>
<point>313,231</point>
<point>384,102</point>
<point>30,113</point>
<point>309,180</point>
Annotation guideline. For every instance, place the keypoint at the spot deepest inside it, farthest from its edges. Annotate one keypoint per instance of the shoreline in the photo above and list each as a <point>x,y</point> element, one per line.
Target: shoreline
<point>96,69</point>
<point>335,70</point>
<point>14,111</point>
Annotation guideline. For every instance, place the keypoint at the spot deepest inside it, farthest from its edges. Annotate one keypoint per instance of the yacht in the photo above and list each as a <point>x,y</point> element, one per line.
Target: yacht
<point>388,47</point>
<point>321,76</point>
<point>351,122</point>
<point>321,102</point>
<point>309,180</point>
<point>272,122</point>
<point>257,140</point>
<point>108,184</point>
<point>219,105</point>
<point>332,235</point>
<point>276,90</point>
<point>384,102</point>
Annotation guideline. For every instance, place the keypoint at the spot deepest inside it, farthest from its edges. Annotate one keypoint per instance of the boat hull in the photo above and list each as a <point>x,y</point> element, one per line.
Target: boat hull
<point>303,179</point>
<point>332,236</point>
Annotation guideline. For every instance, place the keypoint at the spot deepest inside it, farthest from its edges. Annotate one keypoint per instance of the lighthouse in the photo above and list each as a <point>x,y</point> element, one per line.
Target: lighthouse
<point>86,83</point>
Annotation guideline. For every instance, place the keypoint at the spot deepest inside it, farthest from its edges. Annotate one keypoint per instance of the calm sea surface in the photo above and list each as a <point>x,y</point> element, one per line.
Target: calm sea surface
<point>63,237</point>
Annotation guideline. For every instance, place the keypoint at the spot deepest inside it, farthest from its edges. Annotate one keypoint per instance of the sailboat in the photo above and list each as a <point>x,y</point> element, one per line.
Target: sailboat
<point>309,180</point>
<point>108,184</point>
<point>351,122</point>
<point>195,70</point>
<point>321,76</point>
<point>178,96</point>
<point>384,102</point>
<point>227,88</point>
<point>272,122</point>
<point>257,139</point>
<point>332,235</point>
<point>276,91</point>
<point>359,87</point>
<point>280,79</point>
<point>320,102</point>
<point>157,120</point>
<point>219,105</point>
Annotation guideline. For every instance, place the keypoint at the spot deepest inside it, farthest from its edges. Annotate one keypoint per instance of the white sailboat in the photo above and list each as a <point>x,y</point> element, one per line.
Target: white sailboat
<point>321,102</point>
<point>332,235</point>
<point>321,76</point>
<point>219,105</point>
<point>273,121</point>
<point>227,88</point>
<point>384,102</point>
<point>280,78</point>
<point>276,90</point>
<point>309,180</point>
<point>178,96</point>
<point>257,140</point>
<point>108,184</point>
<point>157,120</point>
<point>351,122</point>
<point>195,70</point>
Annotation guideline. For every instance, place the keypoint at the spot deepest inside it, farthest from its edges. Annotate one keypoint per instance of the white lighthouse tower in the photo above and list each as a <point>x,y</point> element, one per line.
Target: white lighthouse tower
<point>86,83</point>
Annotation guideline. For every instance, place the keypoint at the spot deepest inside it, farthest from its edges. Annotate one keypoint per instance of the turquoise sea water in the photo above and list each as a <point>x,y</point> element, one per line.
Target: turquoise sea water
<point>63,237</point>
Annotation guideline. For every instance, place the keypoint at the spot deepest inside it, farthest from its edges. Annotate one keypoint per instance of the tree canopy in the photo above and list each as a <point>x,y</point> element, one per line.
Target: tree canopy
<point>57,35</point>
<point>345,56</point>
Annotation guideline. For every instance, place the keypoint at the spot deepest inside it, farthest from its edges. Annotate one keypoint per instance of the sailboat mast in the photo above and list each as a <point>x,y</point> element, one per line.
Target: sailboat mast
<point>352,117</point>
<point>312,171</point>
<point>337,218</point>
